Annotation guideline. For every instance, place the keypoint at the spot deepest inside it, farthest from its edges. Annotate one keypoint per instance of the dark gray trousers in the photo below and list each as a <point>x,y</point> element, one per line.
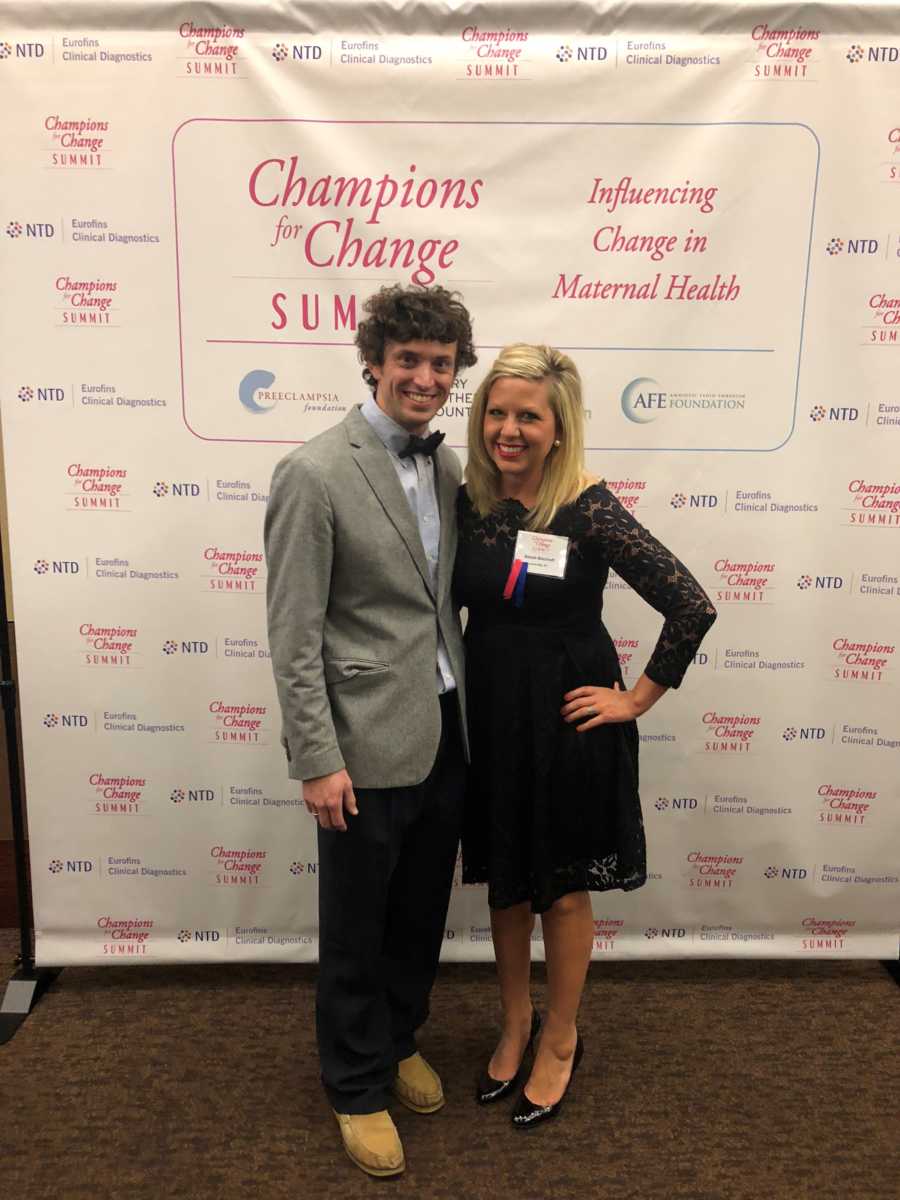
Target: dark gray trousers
<point>384,887</point>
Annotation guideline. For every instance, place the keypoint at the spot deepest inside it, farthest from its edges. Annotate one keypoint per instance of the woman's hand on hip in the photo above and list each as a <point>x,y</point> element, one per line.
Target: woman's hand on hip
<point>587,707</point>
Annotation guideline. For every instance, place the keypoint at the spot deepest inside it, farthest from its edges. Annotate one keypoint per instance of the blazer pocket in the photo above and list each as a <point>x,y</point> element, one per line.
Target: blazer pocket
<point>340,670</point>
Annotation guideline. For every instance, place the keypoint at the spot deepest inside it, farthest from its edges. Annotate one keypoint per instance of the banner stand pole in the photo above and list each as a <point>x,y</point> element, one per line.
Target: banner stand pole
<point>29,982</point>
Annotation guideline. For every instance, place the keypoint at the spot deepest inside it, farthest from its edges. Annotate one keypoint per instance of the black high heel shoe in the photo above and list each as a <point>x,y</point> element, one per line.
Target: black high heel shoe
<point>488,1089</point>
<point>526,1114</point>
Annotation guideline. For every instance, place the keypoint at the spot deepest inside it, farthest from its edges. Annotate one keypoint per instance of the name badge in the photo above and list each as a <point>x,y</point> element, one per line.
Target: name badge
<point>545,553</point>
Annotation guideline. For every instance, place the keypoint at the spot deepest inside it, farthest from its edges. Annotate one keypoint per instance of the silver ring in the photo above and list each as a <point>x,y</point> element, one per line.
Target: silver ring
<point>590,712</point>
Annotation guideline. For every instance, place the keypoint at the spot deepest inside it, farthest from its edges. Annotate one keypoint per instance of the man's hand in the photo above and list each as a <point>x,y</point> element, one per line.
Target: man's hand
<point>327,796</point>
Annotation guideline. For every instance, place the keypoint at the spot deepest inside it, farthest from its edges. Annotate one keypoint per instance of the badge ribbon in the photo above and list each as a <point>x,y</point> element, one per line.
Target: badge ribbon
<point>515,582</point>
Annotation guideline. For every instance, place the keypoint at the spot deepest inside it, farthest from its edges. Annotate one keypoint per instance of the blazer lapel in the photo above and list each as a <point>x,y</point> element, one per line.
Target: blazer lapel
<point>375,463</point>
<point>447,490</point>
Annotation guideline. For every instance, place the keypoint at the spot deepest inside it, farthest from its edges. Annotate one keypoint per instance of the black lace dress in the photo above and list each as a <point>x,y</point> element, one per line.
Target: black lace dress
<point>548,810</point>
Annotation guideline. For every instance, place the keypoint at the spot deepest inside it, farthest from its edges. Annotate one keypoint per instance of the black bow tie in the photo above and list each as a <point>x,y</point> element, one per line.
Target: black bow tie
<point>417,445</point>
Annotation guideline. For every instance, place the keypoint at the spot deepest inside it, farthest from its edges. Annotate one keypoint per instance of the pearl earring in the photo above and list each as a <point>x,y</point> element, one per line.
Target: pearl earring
<point>556,443</point>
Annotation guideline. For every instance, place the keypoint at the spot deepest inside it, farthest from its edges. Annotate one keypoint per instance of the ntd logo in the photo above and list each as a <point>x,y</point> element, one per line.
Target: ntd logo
<point>45,395</point>
<point>677,803</point>
<point>589,53</point>
<point>31,229</point>
<point>193,647</point>
<point>193,795</point>
<point>301,868</point>
<point>694,500</point>
<point>805,733</point>
<point>684,803</point>
<point>828,583</point>
<point>22,50</point>
<point>837,412</point>
<point>71,866</point>
<point>65,720</point>
<point>56,566</point>
<point>305,52</point>
<point>189,489</point>
<point>672,934</point>
<point>861,245</point>
<point>786,873</point>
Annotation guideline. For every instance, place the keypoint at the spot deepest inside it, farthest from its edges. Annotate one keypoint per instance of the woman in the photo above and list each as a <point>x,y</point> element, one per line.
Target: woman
<point>553,811</point>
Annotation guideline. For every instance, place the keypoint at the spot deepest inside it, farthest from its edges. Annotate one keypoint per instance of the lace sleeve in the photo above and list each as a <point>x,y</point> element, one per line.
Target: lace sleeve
<point>658,577</point>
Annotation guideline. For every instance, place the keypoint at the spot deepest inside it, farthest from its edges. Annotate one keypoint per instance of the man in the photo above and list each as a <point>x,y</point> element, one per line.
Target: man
<point>368,660</point>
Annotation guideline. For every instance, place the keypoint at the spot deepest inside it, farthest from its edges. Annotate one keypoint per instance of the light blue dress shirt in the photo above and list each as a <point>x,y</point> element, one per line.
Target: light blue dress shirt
<point>416,475</point>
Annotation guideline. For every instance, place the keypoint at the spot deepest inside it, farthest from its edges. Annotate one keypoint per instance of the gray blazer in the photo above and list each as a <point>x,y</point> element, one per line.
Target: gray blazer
<point>353,619</point>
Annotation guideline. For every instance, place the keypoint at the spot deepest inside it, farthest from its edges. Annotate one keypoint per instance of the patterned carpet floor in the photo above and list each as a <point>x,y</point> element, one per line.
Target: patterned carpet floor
<point>701,1080</point>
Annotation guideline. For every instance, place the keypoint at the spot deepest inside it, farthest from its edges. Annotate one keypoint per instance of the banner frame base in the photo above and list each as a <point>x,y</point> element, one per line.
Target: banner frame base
<point>23,991</point>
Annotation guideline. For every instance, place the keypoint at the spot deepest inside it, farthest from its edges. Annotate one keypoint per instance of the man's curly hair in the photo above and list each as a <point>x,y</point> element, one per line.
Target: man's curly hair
<point>413,314</point>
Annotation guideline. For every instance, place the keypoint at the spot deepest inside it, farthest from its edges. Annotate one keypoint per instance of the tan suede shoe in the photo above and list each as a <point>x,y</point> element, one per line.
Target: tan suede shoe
<point>417,1085</point>
<point>372,1141</point>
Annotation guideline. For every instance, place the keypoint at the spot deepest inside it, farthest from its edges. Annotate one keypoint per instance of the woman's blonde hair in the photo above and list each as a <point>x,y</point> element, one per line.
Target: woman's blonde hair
<point>564,477</point>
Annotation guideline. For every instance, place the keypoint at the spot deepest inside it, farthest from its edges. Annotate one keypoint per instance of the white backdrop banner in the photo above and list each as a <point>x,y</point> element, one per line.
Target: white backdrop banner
<point>196,201</point>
